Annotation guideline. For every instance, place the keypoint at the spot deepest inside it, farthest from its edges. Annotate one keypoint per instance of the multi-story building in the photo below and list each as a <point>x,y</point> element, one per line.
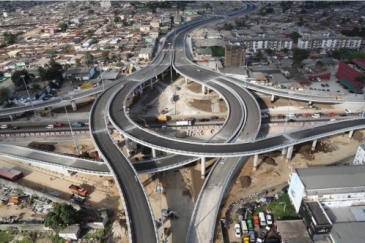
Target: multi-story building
<point>360,156</point>
<point>105,3</point>
<point>347,73</point>
<point>258,43</point>
<point>235,55</point>
<point>329,43</point>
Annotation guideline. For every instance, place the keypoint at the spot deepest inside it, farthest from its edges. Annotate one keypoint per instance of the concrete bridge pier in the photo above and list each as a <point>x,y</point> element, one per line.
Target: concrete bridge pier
<point>255,162</point>
<point>73,105</point>
<point>203,89</point>
<point>310,103</point>
<point>141,89</point>
<point>11,117</point>
<point>351,133</point>
<point>186,80</point>
<point>202,163</point>
<point>289,154</point>
<point>272,98</point>
<point>284,151</point>
<point>153,153</point>
<point>151,83</point>
<point>128,145</point>
<point>134,144</point>
<point>314,144</point>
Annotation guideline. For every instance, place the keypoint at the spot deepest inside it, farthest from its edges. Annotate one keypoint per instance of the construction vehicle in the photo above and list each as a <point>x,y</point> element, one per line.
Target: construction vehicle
<point>77,198</point>
<point>45,112</point>
<point>78,124</point>
<point>58,124</point>
<point>78,190</point>
<point>161,118</point>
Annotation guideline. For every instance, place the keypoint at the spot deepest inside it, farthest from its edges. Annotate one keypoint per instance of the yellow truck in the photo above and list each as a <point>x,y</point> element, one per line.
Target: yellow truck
<point>161,118</point>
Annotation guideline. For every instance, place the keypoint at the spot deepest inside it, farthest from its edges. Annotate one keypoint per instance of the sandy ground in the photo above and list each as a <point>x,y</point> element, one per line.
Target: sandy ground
<point>328,151</point>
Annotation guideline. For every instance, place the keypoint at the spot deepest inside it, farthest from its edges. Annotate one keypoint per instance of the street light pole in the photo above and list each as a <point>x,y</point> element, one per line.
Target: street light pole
<point>30,100</point>
<point>72,133</point>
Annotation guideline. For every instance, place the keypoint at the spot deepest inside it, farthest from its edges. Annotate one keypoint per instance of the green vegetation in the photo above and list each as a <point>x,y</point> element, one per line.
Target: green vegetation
<point>355,54</point>
<point>100,234</point>
<point>218,51</point>
<point>18,80</point>
<point>295,36</point>
<point>9,39</point>
<point>299,55</point>
<point>89,59</point>
<point>281,209</point>
<point>63,26</point>
<point>228,26</point>
<point>354,32</point>
<point>361,79</point>
<point>4,95</point>
<point>340,53</point>
<point>5,236</point>
<point>61,216</point>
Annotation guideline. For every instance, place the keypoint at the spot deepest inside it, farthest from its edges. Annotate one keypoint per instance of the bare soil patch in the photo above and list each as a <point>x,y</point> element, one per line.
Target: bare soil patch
<point>203,105</point>
<point>194,87</point>
<point>222,106</point>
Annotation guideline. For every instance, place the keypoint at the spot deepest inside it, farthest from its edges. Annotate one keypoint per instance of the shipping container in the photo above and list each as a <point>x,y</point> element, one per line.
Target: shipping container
<point>10,174</point>
<point>183,123</point>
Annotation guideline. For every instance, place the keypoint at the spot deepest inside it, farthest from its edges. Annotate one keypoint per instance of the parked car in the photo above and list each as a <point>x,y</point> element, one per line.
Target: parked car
<point>327,85</point>
<point>237,231</point>
<point>49,126</point>
<point>316,115</point>
<point>264,115</point>
<point>246,240</point>
<point>348,111</point>
<point>344,114</point>
<point>4,126</point>
<point>252,236</point>
<point>15,128</point>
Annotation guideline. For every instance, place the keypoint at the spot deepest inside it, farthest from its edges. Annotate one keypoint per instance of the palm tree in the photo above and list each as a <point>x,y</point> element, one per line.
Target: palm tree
<point>35,88</point>
<point>5,94</point>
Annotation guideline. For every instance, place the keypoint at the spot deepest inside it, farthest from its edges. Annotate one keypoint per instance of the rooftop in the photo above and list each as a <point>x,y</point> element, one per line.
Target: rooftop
<point>293,231</point>
<point>351,232</point>
<point>359,62</point>
<point>335,177</point>
<point>318,213</point>
<point>346,214</point>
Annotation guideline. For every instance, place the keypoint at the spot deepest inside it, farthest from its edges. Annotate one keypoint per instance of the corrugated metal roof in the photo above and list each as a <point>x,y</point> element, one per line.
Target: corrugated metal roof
<point>352,232</point>
<point>293,231</point>
<point>332,177</point>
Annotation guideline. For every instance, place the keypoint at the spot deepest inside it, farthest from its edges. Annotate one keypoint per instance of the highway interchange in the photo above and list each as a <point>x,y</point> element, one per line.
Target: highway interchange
<point>240,129</point>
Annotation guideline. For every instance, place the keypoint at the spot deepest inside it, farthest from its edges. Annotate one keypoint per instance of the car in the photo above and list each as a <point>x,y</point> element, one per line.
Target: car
<point>343,114</point>
<point>4,126</point>
<point>322,85</point>
<point>237,231</point>
<point>311,88</point>
<point>264,115</point>
<point>269,219</point>
<point>347,111</point>
<point>15,128</point>
<point>316,115</point>
<point>252,236</point>
<point>327,85</point>
<point>323,90</point>
<point>50,126</point>
<point>332,120</point>
<point>203,119</point>
<point>214,118</point>
<point>328,90</point>
<point>246,240</point>
<point>290,120</point>
<point>198,70</point>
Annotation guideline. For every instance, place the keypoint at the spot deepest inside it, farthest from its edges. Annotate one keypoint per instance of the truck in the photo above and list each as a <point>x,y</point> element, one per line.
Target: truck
<point>78,124</point>
<point>183,123</point>
<point>256,221</point>
<point>161,118</point>
<point>78,190</point>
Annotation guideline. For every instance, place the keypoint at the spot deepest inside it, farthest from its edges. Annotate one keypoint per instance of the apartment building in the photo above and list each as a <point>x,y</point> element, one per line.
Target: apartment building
<point>235,55</point>
<point>329,43</point>
<point>258,43</point>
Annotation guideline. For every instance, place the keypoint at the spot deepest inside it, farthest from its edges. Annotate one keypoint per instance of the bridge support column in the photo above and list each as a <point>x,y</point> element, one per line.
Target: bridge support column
<point>134,144</point>
<point>186,79</point>
<point>127,145</point>
<point>203,88</point>
<point>151,83</point>
<point>272,98</point>
<point>351,133</point>
<point>314,144</point>
<point>141,90</point>
<point>74,106</point>
<point>310,103</point>
<point>255,162</point>
<point>11,117</point>
<point>202,163</point>
<point>154,153</point>
<point>284,151</point>
<point>289,154</point>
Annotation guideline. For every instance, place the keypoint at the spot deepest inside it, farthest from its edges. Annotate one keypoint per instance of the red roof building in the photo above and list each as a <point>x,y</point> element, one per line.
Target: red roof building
<point>348,73</point>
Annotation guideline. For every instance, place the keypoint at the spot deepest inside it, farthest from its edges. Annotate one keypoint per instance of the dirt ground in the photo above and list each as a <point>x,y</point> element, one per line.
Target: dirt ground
<point>194,87</point>
<point>273,170</point>
<point>203,105</point>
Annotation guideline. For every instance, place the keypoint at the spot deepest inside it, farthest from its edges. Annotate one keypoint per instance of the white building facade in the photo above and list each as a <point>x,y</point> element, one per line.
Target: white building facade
<point>360,156</point>
<point>257,44</point>
<point>329,43</point>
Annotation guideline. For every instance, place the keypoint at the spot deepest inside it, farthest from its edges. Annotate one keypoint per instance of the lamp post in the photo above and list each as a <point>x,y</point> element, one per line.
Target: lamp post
<point>30,100</point>
<point>72,133</point>
<point>287,118</point>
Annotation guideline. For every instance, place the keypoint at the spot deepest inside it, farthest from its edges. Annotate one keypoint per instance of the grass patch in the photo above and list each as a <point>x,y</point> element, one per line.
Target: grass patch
<point>281,209</point>
<point>218,51</point>
<point>5,236</point>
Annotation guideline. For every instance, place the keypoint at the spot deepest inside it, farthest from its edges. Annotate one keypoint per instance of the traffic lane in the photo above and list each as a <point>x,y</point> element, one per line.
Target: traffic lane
<point>141,221</point>
<point>265,121</point>
<point>236,149</point>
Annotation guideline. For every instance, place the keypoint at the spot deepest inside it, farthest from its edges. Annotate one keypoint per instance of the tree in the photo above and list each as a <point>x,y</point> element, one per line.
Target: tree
<point>119,64</point>
<point>299,55</point>
<point>269,10</point>
<point>67,66</point>
<point>5,94</point>
<point>61,216</point>
<point>17,80</point>
<point>320,63</point>
<point>355,54</point>
<point>63,26</point>
<point>77,62</point>
<point>50,52</point>
<point>303,11</point>
<point>90,12</point>
<point>9,39</point>
<point>118,57</point>
<point>285,50</point>
<point>360,78</point>
<point>105,56</point>
<point>269,51</point>
<point>259,55</point>
<point>35,88</point>
<point>295,36</point>
<point>89,59</point>
<point>340,53</point>
<point>227,26</point>
<point>360,20</point>
<point>117,19</point>
<point>301,22</point>
<point>42,75</point>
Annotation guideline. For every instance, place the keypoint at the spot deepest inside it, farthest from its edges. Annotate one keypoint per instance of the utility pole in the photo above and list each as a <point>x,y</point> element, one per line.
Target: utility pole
<point>30,99</point>
<point>72,133</point>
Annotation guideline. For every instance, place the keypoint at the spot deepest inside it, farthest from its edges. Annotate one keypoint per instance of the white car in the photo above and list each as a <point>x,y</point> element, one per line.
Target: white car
<point>348,111</point>
<point>264,115</point>
<point>268,219</point>
<point>316,115</point>
<point>237,231</point>
<point>4,126</point>
<point>198,70</point>
<point>50,126</point>
<point>332,120</point>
